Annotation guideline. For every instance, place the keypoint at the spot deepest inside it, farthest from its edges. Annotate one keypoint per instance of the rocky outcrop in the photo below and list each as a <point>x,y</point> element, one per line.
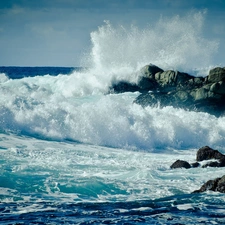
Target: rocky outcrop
<point>204,153</point>
<point>217,184</point>
<point>180,90</point>
<point>207,153</point>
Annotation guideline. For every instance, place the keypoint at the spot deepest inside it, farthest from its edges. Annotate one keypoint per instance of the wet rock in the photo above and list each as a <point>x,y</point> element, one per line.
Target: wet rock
<point>124,86</point>
<point>145,82</point>
<point>206,153</point>
<point>217,184</point>
<point>195,164</point>
<point>211,164</point>
<point>172,80</point>
<point>147,77</point>
<point>150,70</point>
<point>216,74</point>
<point>178,89</point>
<point>181,90</point>
<point>180,164</point>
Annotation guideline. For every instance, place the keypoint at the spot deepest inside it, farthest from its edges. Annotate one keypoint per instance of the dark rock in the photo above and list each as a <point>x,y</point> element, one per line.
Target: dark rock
<point>124,86</point>
<point>217,184</point>
<point>176,99</point>
<point>180,164</point>
<point>211,164</point>
<point>209,185</point>
<point>145,82</point>
<point>222,162</point>
<point>206,153</point>
<point>195,164</point>
<point>221,185</point>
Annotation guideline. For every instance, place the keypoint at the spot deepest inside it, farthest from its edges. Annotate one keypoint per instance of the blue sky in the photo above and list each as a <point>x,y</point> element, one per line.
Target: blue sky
<point>57,32</point>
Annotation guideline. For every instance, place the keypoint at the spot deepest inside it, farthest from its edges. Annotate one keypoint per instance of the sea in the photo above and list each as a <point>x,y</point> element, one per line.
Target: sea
<point>74,152</point>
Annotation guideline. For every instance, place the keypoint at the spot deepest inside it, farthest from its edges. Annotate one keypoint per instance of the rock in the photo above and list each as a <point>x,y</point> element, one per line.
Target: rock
<point>195,164</point>
<point>211,164</point>
<point>217,184</point>
<point>215,75</point>
<point>178,89</point>
<point>209,185</point>
<point>147,79</point>
<point>145,82</point>
<point>172,80</point>
<point>180,164</point>
<point>206,153</point>
<point>150,70</point>
<point>123,86</point>
<point>181,90</point>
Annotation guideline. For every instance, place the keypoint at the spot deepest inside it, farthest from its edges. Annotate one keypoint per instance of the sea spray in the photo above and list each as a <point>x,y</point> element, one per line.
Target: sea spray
<point>172,43</point>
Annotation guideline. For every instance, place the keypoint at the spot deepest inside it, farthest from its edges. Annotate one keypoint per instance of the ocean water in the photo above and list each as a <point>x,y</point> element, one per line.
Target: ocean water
<point>73,153</point>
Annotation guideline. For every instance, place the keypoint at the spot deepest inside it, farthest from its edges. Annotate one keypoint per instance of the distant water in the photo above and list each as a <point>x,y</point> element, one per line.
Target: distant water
<point>15,72</point>
<point>70,153</point>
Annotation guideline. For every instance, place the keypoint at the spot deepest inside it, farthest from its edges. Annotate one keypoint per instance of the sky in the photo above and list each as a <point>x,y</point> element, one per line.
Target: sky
<point>57,32</point>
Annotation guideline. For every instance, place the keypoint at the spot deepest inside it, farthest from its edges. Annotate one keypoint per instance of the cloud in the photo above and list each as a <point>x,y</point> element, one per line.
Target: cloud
<point>16,10</point>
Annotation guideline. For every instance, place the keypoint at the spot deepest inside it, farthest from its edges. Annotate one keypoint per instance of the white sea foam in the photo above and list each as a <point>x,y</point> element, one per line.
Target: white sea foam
<point>3,77</point>
<point>37,107</point>
<point>71,173</point>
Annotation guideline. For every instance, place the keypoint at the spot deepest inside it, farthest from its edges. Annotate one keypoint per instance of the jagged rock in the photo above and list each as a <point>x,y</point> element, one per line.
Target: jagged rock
<point>180,164</point>
<point>206,153</point>
<point>217,184</point>
<point>177,89</point>
<point>181,90</point>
